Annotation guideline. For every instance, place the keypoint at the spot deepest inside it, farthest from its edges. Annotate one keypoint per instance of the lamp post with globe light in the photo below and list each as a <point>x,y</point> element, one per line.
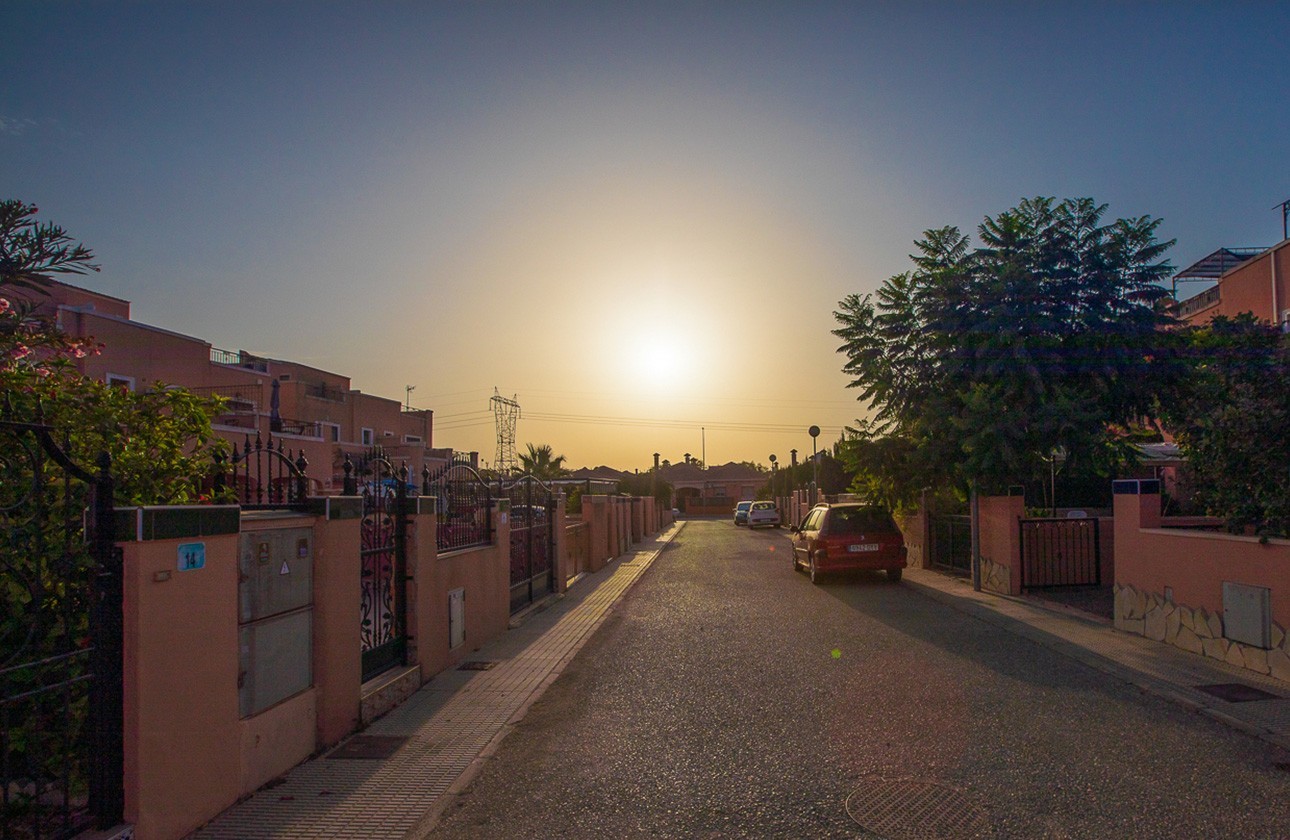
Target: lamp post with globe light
<point>814,432</point>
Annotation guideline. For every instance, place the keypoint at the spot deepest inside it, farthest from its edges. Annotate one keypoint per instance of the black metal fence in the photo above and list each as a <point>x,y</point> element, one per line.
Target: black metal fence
<point>61,719</point>
<point>951,542</point>
<point>264,476</point>
<point>532,518</point>
<point>464,507</point>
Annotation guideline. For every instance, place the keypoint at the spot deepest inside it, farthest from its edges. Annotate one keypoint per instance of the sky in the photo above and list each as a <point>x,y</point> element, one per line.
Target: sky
<point>636,220</point>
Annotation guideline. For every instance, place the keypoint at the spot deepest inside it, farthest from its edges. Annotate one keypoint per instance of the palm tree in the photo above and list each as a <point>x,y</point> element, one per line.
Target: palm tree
<point>542,462</point>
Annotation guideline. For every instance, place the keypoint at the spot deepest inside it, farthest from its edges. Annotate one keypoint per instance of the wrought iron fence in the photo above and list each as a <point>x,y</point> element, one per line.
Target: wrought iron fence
<point>264,476</point>
<point>61,736</point>
<point>464,507</point>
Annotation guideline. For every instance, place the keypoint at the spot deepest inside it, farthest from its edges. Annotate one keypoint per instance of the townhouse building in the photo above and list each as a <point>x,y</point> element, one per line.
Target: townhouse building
<point>313,412</point>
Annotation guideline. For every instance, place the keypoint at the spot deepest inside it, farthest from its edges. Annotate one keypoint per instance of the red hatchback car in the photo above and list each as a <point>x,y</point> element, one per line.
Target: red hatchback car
<point>848,536</point>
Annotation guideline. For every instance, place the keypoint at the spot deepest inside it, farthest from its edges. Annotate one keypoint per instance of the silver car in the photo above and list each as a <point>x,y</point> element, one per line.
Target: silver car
<point>764,514</point>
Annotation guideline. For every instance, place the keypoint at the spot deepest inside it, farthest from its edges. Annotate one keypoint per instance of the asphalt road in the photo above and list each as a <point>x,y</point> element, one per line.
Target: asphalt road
<point>726,696</point>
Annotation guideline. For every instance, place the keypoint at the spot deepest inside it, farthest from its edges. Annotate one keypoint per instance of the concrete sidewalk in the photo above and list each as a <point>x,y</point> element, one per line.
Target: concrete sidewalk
<point>1156,668</point>
<point>395,778</point>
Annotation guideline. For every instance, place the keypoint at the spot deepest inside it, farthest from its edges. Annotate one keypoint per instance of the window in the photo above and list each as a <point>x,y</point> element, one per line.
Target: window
<point>369,437</point>
<point>116,380</point>
<point>330,432</point>
<point>412,439</point>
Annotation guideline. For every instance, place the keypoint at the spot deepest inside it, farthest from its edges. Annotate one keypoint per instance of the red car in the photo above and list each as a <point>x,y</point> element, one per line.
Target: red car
<point>848,536</point>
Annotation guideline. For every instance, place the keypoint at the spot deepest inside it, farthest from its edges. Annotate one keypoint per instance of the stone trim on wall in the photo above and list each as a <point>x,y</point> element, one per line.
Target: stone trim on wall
<point>1197,631</point>
<point>995,577</point>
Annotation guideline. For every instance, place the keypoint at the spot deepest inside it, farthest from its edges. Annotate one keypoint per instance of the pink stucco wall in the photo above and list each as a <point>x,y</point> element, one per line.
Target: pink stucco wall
<point>182,762</point>
<point>1001,535</point>
<point>1194,564</point>
<point>483,572</point>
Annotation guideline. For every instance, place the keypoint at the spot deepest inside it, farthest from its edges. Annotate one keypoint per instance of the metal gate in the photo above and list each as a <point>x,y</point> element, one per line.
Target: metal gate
<point>952,542</point>
<point>61,738</point>
<point>532,540</point>
<point>1060,552</point>
<point>383,552</point>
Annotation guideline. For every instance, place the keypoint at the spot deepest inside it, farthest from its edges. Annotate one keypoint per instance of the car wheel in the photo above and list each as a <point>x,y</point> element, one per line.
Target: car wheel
<point>815,573</point>
<point>893,575</point>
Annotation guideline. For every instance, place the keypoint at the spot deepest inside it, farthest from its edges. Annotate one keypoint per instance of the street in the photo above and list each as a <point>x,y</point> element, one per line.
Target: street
<point>726,696</point>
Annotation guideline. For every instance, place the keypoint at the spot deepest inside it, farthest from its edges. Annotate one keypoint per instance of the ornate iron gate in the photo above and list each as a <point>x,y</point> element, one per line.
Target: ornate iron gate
<point>383,552</point>
<point>532,540</point>
<point>1060,552</point>
<point>61,737</point>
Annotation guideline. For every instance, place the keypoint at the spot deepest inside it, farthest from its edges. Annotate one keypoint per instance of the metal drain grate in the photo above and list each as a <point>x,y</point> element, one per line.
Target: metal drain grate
<point>476,666</point>
<point>1236,692</point>
<point>907,808</point>
<point>368,747</point>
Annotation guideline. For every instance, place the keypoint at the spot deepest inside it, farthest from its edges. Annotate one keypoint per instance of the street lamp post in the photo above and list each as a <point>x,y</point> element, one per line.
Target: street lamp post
<point>792,480</point>
<point>814,432</point>
<point>774,474</point>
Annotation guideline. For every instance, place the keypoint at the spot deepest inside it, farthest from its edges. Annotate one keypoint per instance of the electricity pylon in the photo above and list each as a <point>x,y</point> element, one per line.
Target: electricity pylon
<point>505,413</point>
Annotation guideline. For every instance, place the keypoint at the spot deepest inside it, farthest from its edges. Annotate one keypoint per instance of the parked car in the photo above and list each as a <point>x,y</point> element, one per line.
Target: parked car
<point>763,513</point>
<point>848,536</point>
<point>741,513</point>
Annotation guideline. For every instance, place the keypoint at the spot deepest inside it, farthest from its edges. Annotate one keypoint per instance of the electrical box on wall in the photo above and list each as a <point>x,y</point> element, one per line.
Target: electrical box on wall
<point>456,618</point>
<point>277,572</point>
<point>275,611</point>
<point>1247,614</point>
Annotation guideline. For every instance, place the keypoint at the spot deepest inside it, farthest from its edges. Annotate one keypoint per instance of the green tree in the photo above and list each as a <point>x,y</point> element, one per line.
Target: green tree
<point>160,447</point>
<point>981,361</point>
<point>31,252</point>
<point>640,485</point>
<point>1230,418</point>
<point>542,462</point>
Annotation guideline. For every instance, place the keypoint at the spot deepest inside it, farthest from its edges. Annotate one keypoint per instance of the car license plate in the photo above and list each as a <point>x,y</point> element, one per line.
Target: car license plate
<point>864,547</point>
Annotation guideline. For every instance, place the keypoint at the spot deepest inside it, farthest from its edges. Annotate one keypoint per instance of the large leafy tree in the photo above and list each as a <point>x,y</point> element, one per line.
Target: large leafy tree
<point>1230,419</point>
<point>982,361</point>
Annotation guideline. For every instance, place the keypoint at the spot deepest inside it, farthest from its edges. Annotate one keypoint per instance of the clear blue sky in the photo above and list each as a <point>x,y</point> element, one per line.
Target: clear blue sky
<point>469,195</point>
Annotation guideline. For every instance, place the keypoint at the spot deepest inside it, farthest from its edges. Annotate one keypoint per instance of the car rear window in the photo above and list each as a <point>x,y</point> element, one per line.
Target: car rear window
<point>859,519</point>
<point>763,506</point>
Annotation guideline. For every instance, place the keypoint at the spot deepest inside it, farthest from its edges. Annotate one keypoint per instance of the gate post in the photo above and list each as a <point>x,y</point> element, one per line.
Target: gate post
<point>107,709</point>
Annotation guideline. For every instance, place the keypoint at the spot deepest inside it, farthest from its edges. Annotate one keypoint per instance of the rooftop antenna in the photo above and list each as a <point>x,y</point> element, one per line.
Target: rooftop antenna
<point>407,396</point>
<point>505,413</point>
<point>1285,218</point>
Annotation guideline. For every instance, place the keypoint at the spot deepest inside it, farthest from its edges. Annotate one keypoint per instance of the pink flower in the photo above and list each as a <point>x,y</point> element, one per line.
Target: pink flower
<point>79,352</point>
<point>20,351</point>
<point>4,306</point>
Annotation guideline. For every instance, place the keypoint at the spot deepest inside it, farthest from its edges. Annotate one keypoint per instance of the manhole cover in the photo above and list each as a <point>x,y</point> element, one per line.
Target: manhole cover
<point>906,808</point>
<point>476,666</point>
<point>369,746</point>
<point>1236,692</point>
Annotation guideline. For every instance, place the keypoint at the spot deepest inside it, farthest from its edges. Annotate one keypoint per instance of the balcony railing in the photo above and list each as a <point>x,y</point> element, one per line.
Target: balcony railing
<point>238,358</point>
<point>320,391</point>
<point>1198,302</point>
<point>239,399</point>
